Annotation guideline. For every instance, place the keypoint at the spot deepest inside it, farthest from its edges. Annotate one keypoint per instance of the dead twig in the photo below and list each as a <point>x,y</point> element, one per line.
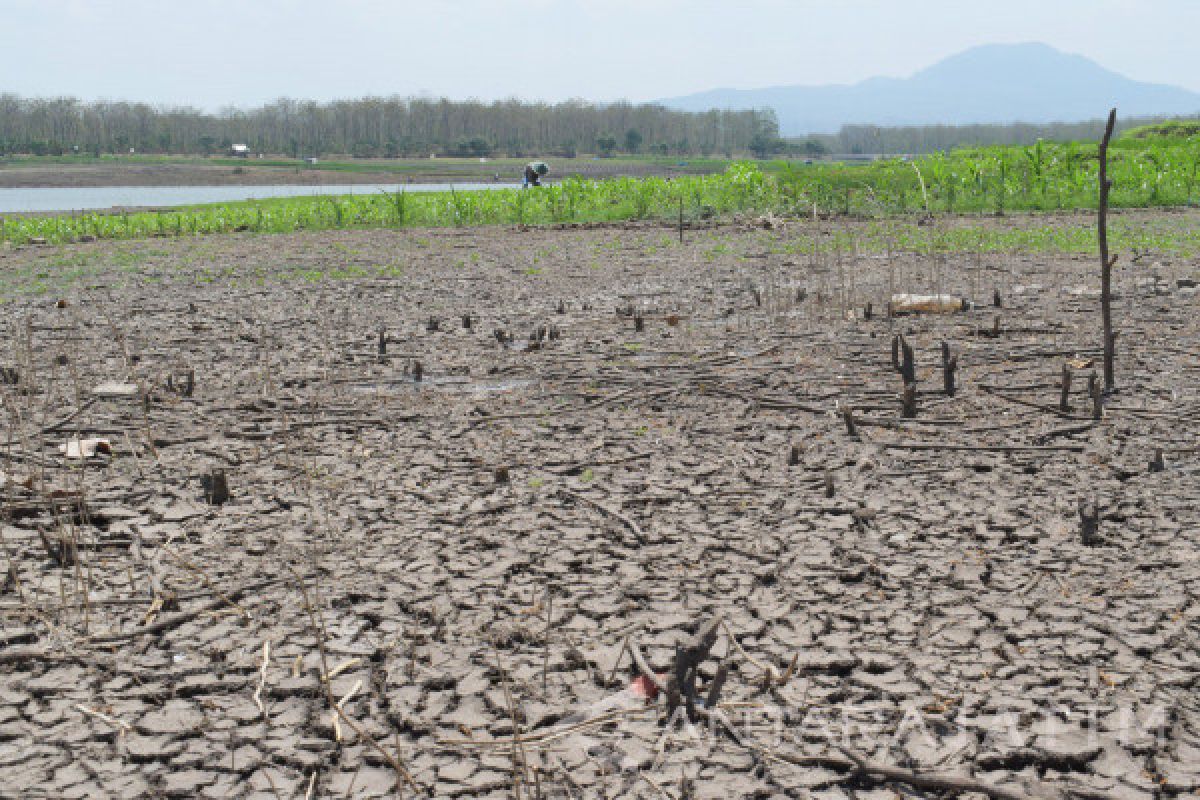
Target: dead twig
<point>617,515</point>
<point>262,678</point>
<point>319,633</point>
<point>175,620</point>
<point>938,782</point>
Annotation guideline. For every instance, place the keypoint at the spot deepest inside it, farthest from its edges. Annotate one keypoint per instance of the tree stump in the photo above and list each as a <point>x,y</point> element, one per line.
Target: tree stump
<point>216,488</point>
<point>908,362</point>
<point>681,686</point>
<point>1089,522</point>
<point>949,368</point>
<point>848,418</point>
<point>908,401</point>
<point>1097,396</point>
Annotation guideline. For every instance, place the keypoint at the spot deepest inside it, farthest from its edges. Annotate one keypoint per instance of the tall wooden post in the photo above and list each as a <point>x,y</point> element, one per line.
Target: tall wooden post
<point>1106,263</point>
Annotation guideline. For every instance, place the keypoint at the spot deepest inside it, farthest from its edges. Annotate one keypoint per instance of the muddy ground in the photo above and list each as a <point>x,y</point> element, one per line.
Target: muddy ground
<point>56,175</point>
<point>472,557</point>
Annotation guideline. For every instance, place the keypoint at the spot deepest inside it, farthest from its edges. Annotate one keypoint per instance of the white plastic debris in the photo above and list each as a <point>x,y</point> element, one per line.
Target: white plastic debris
<point>85,448</point>
<point>928,304</point>
<point>115,389</point>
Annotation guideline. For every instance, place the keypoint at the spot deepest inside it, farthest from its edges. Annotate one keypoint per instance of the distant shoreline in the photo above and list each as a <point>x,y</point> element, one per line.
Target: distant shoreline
<point>33,173</point>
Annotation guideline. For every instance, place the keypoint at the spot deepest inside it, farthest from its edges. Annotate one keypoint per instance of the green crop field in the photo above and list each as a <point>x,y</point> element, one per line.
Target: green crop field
<point>1154,171</point>
<point>1146,172</point>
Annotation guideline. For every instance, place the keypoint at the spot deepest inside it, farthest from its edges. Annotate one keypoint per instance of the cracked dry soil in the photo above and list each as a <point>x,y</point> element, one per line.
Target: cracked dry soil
<point>614,437</point>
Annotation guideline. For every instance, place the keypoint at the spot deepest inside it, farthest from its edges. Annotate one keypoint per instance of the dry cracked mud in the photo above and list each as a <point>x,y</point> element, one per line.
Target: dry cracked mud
<point>614,438</point>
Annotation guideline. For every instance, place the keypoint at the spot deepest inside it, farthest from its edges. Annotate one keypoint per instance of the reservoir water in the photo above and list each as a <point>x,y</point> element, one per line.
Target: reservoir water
<point>105,198</point>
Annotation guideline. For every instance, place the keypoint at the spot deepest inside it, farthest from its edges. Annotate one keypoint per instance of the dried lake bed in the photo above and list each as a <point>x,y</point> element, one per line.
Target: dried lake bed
<point>470,472</point>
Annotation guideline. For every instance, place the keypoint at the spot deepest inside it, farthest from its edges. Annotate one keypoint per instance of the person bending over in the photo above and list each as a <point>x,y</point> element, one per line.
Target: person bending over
<point>534,171</point>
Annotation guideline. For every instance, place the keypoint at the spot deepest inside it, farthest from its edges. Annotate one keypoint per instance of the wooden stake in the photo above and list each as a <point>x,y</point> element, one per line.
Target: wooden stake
<point>216,488</point>
<point>949,367</point>
<point>1106,263</point>
<point>1064,398</point>
<point>848,417</point>
<point>908,363</point>
<point>908,401</point>
<point>1089,521</point>
<point>793,456</point>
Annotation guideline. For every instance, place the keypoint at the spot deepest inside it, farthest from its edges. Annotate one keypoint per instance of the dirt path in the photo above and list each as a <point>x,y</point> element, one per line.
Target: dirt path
<point>563,480</point>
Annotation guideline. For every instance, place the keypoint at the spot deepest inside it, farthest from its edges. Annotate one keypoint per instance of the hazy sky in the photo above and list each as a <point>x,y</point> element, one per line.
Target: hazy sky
<point>211,53</point>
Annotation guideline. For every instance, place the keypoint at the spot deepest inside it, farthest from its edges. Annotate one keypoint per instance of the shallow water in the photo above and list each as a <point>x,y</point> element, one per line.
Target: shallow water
<point>91,198</point>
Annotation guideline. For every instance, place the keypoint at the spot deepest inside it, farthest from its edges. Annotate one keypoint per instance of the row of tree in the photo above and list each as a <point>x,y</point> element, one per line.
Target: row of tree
<point>919,140</point>
<point>378,126</point>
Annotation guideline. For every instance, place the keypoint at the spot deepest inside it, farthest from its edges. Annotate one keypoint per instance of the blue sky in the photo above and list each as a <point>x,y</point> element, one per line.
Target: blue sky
<point>210,53</point>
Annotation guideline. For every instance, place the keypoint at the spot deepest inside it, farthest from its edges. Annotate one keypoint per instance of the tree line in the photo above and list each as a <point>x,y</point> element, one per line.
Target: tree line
<point>378,127</point>
<point>924,139</point>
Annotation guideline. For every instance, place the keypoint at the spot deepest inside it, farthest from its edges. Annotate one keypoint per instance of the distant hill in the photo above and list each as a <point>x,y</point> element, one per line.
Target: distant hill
<point>989,84</point>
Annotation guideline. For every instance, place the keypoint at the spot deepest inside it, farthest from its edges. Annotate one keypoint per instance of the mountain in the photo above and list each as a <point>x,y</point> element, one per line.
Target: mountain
<point>990,84</point>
